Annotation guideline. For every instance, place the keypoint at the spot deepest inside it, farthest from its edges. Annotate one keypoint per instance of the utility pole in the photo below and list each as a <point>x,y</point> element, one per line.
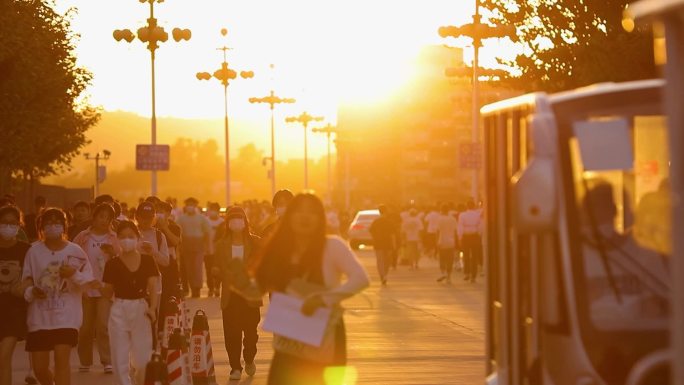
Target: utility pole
<point>477,32</point>
<point>272,100</point>
<point>153,35</point>
<point>225,75</point>
<point>304,119</point>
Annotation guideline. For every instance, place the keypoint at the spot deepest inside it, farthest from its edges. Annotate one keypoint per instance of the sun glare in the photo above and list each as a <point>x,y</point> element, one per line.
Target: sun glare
<point>324,52</point>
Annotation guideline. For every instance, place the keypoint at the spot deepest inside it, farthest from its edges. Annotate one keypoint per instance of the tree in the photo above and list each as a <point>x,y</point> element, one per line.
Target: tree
<point>573,43</point>
<point>44,114</point>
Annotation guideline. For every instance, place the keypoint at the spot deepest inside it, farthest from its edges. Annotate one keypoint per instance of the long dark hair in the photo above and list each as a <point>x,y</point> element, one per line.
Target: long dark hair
<point>272,264</point>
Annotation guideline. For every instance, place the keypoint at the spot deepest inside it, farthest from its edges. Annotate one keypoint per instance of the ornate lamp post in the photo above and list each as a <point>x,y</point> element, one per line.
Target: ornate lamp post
<point>304,119</point>
<point>153,35</point>
<point>477,31</point>
<point>225,75</point>
<point>328,130</point>
<point>272,100</point>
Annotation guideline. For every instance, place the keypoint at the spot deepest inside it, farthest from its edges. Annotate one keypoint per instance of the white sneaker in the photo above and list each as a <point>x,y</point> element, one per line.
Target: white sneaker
<point>108,369</point>
<point>235,374</point>
<point>84,368</point>
<point>250,369</point>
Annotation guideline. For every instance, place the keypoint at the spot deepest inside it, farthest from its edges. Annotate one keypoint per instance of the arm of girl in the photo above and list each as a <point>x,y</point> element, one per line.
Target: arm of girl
<point>344,261</point>
<point>151,311</point>
<point>107,290</point>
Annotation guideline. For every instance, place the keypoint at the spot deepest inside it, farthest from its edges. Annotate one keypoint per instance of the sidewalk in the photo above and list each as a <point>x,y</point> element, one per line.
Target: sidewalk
<point>413,331</point>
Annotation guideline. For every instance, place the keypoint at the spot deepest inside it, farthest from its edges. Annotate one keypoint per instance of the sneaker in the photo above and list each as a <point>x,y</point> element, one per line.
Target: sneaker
<point>250,368</point>
<point>235,374</point>
<point>30,380</point>
<point>108,369</point>
<point>84,368</point>
<point>384,282</point>
<point>442,278</point>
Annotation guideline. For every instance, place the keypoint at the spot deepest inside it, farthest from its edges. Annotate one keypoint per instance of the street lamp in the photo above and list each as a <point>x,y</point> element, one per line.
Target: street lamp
<point>304,119</point>
<point>328,130</point>
<point>153,35</point>
<point>97,157</point>
<point>272,100</point>
<point>225,75</point>
<point>476,31</point>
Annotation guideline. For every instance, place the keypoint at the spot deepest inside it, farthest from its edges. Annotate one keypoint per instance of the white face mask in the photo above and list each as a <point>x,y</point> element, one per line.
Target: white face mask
<point>53,231</point>
<point>128,244</point>
<point>280,211</point>
<point>190,209</point>
<point>236,224</point>
<point>213,213</point>
<point>8,232</point>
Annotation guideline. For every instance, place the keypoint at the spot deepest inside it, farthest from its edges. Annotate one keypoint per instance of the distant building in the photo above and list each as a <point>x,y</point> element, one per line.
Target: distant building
<point>406,148</point>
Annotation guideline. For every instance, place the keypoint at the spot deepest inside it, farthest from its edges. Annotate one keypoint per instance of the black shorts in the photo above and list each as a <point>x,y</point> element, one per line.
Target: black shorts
<point>13,325</point>
<point>46,340</point>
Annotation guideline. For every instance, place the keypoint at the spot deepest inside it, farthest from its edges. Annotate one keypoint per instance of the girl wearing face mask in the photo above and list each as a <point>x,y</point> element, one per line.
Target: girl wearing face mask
<point>131,279</point>
<point>13,321</point>
<point>235,251</point>
<point>56,272</point>
<point>100,243</point>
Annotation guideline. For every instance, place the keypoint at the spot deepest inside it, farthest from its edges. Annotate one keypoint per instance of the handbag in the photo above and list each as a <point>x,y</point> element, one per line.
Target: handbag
<point>326,352</point>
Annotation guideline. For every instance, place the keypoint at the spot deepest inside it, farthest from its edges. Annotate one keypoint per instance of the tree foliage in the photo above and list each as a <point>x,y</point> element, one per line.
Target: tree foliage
<point>43,113</point>
<point>573,43</point>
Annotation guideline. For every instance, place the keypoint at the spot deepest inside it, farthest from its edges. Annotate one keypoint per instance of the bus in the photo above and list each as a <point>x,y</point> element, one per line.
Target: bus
<point>584,272</point>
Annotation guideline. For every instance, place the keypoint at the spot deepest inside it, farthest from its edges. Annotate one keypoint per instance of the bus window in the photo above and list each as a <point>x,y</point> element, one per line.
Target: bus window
<point>625,232</point>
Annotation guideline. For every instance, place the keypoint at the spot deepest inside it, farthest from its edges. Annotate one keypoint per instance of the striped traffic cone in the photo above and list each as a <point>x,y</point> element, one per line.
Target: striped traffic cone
<point>171,319</point>
<point>155,371</point>
<point>176,360</point>
<point>203,372</point>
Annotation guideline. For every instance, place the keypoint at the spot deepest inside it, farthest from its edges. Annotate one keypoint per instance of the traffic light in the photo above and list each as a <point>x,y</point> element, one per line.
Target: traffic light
<point>181,34</point>
<point>123,34</point>
<point>203,76</point>
<point>247,74</point>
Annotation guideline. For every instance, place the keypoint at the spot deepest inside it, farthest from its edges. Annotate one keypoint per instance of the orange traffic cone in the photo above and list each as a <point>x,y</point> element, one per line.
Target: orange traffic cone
<point>177,360</point>
<point>155,371</point>
<point>171,319</point>
<point>203,372</point>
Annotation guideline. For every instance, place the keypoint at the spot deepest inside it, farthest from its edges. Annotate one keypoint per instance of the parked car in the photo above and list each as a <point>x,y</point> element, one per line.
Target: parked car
<point>358,230</point>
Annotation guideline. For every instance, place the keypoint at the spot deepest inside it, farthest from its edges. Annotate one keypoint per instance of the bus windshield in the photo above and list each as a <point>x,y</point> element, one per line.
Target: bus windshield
<point>621,180</point>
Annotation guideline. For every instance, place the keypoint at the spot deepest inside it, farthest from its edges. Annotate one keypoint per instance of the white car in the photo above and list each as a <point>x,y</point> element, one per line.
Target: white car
<point>358,230</point>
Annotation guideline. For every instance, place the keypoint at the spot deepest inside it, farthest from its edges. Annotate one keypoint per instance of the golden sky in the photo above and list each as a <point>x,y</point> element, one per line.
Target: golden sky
<point>325,52</point>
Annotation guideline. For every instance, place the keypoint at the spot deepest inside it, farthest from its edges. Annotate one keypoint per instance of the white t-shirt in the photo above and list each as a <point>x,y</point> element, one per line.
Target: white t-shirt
<point>470,222</point>
<point>432,220</point>
<point>97,258</point>
<point>238,251</point>
<point>411,226</point>
<point>62,309</point>
<point>447,227</point>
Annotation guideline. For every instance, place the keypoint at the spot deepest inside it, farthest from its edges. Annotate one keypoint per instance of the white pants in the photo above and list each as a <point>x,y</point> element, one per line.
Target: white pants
<point>130,336</point>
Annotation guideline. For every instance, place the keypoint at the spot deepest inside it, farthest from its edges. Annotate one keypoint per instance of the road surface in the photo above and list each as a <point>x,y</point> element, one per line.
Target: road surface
<point>413,331</point>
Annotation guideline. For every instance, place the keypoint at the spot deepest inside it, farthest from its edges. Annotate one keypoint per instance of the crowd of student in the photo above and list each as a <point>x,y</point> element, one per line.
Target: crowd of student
<point>452,234</point>
<point>97,274</point>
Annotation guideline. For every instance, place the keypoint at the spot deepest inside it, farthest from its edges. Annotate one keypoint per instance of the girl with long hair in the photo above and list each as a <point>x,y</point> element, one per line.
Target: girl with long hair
<point>299,250</point>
